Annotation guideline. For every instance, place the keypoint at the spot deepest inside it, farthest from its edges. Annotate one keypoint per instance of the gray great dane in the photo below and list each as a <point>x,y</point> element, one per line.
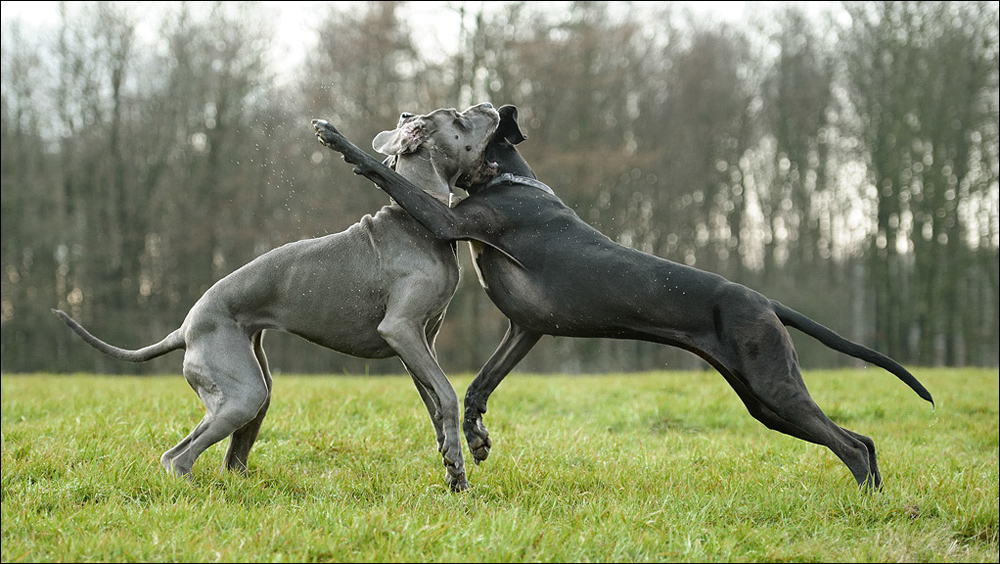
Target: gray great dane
<point>375,290</point>
<point>551,273</point>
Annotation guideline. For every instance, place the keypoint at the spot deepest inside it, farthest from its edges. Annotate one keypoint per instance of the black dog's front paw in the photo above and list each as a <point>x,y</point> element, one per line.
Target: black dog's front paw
<point>478,438</point>
<point>327,133</point>
<point>335,140</point>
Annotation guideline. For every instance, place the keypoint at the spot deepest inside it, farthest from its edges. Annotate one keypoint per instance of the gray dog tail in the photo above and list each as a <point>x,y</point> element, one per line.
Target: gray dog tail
<point>830,338</point>
<point>171,342</point>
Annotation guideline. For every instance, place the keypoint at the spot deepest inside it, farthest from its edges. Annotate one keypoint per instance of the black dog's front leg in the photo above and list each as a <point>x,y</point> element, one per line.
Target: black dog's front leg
<point>470,223</point>
<point>435,216</point>
<point>514,346</point>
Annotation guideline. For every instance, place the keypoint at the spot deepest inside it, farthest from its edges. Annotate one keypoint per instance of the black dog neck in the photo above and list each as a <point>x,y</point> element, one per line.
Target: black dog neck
<point>511,165</point>
<point>508,178</point>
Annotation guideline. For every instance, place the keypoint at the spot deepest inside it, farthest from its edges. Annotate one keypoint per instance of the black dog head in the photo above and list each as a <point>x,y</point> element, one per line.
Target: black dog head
<point>501,148</point>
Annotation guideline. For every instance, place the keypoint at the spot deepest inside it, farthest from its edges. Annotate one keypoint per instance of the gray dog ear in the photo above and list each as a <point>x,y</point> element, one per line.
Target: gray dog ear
<point>405,139</point>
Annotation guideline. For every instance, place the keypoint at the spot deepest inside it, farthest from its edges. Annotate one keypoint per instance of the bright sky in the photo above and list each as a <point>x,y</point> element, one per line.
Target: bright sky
<point>296,19</point>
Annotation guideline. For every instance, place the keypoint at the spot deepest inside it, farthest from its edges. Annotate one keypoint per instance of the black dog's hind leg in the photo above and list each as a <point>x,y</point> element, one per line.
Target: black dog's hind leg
<point>872,478</point>
<point>776,395</point>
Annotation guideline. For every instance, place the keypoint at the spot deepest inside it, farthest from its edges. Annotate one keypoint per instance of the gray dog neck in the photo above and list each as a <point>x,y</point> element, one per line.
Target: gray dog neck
<point>418,169</point>
<point>508,178</point>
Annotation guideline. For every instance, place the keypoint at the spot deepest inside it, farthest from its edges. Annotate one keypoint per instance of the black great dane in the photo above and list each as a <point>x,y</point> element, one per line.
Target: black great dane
<point>551,273</point>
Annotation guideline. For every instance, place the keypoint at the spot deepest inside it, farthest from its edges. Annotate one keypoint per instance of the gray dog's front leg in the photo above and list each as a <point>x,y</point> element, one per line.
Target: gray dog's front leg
<point>427,397</point>
<point>410,343</point>
<point>442,405</point>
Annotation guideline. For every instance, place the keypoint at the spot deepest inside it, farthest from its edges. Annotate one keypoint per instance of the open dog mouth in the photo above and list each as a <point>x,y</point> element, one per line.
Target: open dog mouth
<point>487,171</point>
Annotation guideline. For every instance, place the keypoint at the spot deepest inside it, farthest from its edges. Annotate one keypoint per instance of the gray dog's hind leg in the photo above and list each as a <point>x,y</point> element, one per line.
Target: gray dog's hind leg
<point>515,345</point>
<point>228,378</point>
<point>242,440</point>
<point>167,460</point>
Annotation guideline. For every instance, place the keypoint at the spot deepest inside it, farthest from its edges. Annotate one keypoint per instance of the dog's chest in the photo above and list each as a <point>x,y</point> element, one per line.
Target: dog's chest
<point>476,248</point>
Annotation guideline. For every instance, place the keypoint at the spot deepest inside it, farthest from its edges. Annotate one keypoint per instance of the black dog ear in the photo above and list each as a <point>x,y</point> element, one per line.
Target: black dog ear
<point>508,127</point>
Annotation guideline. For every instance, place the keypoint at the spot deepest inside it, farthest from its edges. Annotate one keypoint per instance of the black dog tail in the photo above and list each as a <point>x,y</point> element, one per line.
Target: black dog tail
<point>830,338</point>
<point>171,342</point>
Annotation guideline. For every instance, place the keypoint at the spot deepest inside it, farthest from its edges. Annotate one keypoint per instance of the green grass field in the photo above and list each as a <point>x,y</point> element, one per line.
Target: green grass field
<point>654,467</point>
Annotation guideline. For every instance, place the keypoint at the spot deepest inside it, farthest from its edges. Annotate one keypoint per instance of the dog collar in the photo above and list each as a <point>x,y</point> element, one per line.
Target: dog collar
<point>508,178</point>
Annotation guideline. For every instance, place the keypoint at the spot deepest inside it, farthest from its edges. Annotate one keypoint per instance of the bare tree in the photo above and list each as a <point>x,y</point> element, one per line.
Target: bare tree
<point>918,74</point>
<point>850,171</point>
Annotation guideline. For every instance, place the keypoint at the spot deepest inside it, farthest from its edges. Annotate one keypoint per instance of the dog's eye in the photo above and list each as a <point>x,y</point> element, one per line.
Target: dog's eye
<point>461,123</point>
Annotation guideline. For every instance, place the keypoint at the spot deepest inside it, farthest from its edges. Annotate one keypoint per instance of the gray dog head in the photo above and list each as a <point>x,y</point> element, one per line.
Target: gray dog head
<point>453,141</point>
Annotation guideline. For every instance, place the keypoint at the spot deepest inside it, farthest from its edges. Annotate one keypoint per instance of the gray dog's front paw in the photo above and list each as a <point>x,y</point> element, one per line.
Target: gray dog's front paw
<point>457,482</point>
<point>454,475</point>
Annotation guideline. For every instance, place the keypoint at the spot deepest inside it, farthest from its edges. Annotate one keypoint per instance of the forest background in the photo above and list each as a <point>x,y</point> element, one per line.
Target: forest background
<point>843,161</point>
